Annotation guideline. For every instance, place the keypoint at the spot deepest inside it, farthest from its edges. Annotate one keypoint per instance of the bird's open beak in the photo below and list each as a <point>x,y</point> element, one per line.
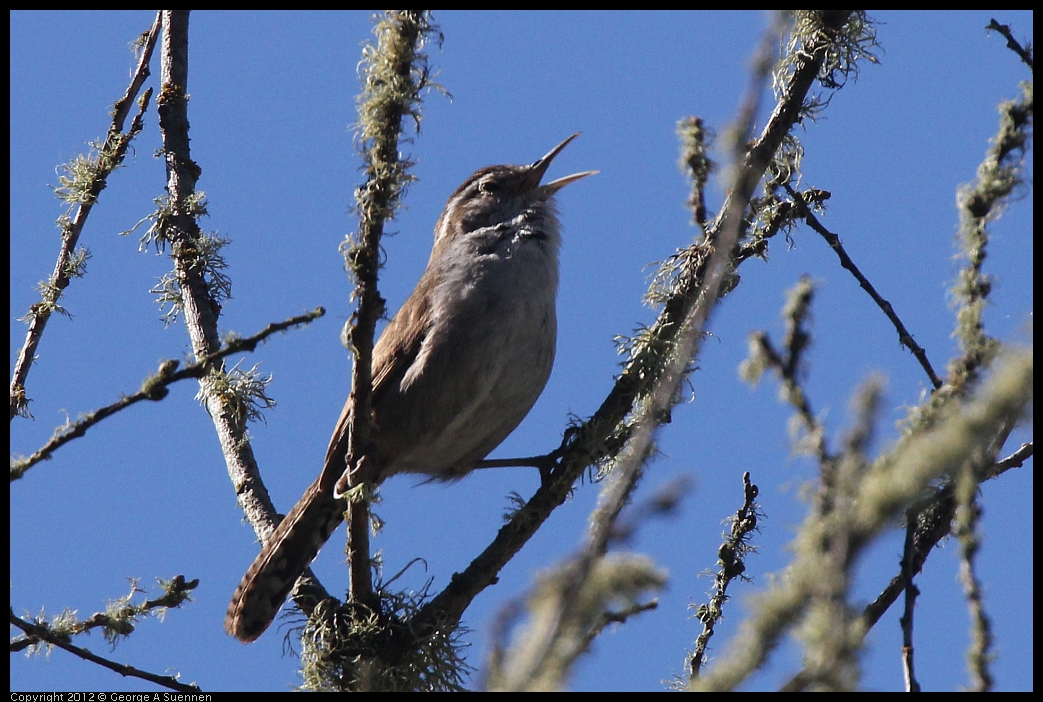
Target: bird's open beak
<point>532,180</point>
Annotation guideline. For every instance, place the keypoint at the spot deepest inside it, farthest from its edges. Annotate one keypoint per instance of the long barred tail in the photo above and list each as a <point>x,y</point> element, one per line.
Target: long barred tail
<point>284,557</point>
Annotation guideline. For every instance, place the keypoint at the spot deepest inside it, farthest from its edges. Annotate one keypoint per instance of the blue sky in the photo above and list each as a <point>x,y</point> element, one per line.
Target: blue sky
<point>272,98</point>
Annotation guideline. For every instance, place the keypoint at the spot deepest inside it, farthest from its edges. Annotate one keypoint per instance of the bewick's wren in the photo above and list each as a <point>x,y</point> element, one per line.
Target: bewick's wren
<point>454,372</point>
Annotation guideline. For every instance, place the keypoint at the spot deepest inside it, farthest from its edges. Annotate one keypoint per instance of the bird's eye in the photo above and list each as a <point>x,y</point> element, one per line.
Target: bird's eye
<point>489,187</point>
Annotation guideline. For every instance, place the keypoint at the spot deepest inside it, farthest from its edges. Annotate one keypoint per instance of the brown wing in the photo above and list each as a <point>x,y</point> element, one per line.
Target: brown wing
<point>393,355</point>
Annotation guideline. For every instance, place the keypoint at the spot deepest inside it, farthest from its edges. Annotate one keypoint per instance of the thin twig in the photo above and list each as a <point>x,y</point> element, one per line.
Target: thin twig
<point>1012,43</point>
<point>731,562</point>
<point>109,157</point>
<point>39,632</point>
<point>1014,460</point>
<point>904,337</point>
<point>911,592</point>
<point>788,365</point>
<point>154,388</point>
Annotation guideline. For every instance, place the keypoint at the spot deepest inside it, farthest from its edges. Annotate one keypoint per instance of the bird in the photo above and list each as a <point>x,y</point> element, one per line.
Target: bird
<point>454,372</point>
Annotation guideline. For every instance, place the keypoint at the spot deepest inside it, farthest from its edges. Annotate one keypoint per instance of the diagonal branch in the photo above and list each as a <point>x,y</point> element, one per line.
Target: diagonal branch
<point>89,177</point>
<point>154,388</point>
<point>904,337</point>
<point>585,445</point>
<point>39,632</point>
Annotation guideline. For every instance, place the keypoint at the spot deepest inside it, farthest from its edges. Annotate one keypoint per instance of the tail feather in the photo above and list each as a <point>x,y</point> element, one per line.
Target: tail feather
<point>284,557</point>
